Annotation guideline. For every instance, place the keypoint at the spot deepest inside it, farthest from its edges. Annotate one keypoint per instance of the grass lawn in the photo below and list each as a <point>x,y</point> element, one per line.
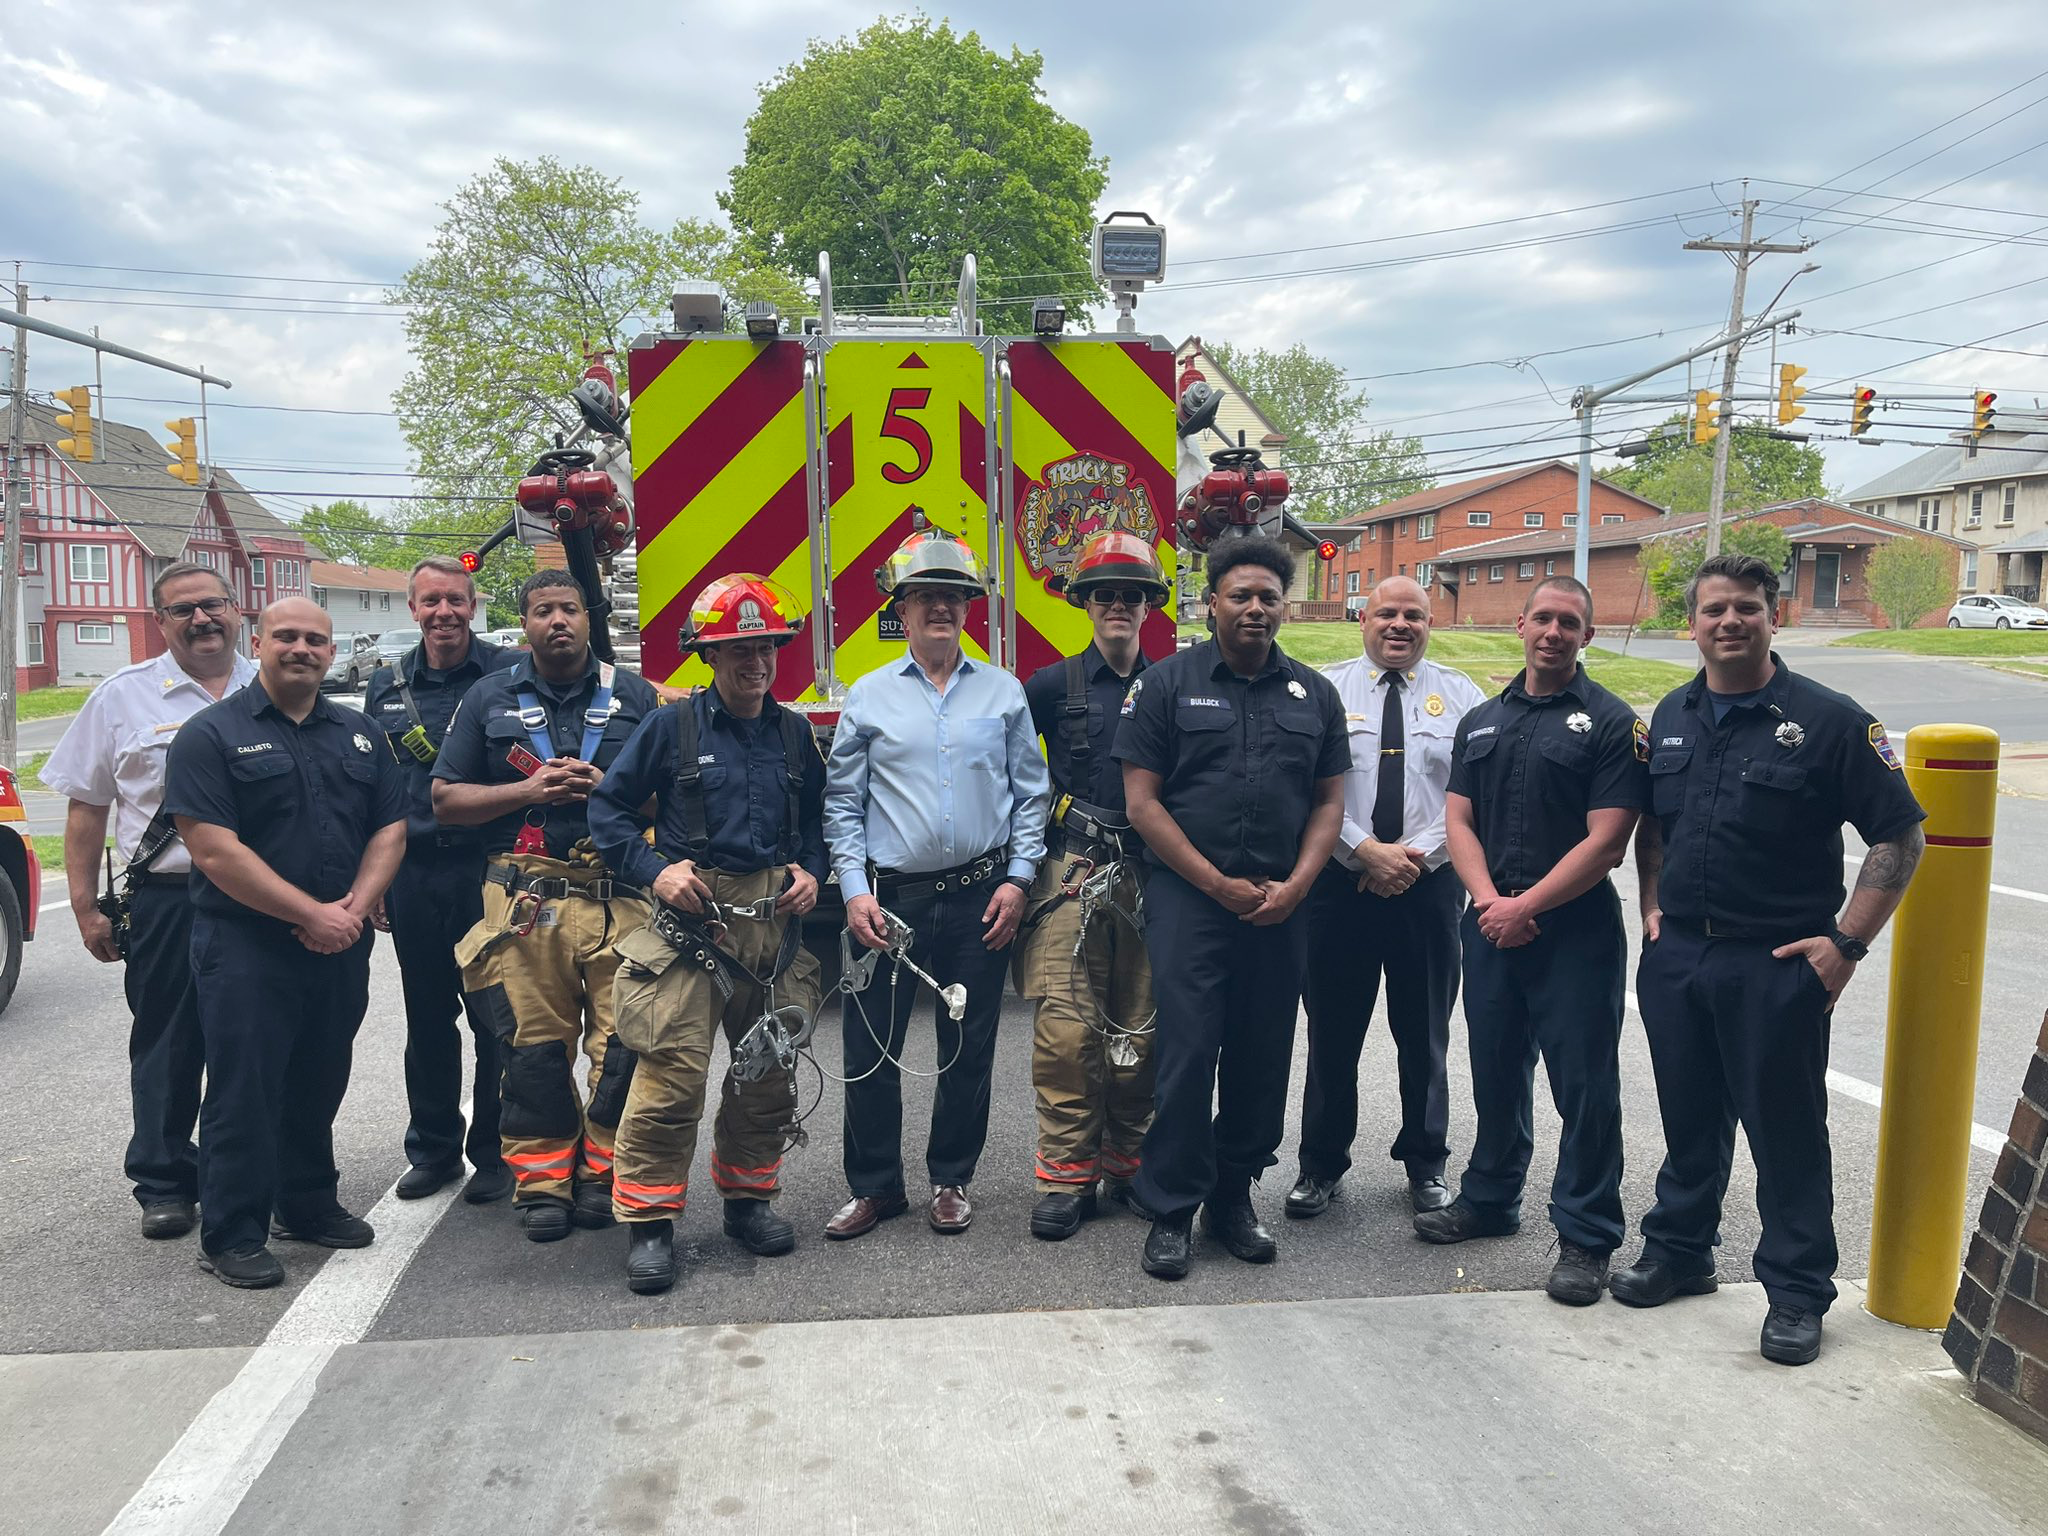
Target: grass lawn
<point>49,848</point>
<point>1952,642</point>
<point>44,703</point>
<point>30,774</point>
<point>1491,661</point>
<point>2025,668</point>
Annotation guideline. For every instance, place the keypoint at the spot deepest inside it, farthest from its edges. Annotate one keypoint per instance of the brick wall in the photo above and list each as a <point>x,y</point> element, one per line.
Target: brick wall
<point>1998,1336</point>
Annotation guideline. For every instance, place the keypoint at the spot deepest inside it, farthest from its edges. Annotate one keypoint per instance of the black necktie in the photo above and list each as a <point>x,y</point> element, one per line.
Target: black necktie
<point>1387,812</point>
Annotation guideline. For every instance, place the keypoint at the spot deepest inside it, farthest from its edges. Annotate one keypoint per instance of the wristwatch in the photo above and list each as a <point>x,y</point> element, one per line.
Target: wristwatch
<point>1852,949</point>
<point>1018,881</point>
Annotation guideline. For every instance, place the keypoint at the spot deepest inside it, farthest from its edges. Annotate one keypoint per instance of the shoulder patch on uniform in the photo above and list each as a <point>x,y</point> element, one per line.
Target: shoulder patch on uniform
<point>1130,702</point>
<point>1642,740</point>
<point>1881,744</point>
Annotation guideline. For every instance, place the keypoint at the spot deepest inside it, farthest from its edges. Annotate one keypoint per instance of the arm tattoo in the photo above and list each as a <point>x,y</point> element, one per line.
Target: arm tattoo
<point>1889,866</point>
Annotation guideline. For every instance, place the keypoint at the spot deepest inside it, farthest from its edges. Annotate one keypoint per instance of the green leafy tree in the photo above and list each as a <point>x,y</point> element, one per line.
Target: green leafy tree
<point>1679,474</point>
<point>348,531</point>
<point>906,148</point>
<point>1668,564</point>
<point>1910,578</point>
<point>534,265</point>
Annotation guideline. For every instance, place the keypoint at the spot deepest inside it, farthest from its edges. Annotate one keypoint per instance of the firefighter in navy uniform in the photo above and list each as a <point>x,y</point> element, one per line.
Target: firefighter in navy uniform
<point>1234,757</point>
<point>437,897</point>
<point>527,747</point>
<point>295,817</point>
<point>1091,1056</point>
<point>1753,770</point>
<point>738,788</point>
<point>1547,781</point>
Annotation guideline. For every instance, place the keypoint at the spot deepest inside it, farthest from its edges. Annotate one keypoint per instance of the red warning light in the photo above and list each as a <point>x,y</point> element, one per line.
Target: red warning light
<point>472,562</point>
<point>1327,549</point>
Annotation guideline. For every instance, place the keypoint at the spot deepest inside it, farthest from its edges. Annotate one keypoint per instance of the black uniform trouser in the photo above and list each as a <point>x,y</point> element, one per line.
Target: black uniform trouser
<point>1559,996</point>
<point>1227,994</point>
<point>280,1025</point>
<point>1738,1035</point>
<point>437,898</point>
<point>949,945</point>
<point>165,1056</point>
<point>1355,937</point>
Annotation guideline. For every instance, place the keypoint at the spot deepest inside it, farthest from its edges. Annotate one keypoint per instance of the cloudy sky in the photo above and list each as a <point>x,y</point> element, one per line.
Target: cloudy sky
<point>1473,207</point>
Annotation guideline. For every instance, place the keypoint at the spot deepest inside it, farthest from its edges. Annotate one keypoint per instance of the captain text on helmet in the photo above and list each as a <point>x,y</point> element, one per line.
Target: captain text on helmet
<point>935,808</point>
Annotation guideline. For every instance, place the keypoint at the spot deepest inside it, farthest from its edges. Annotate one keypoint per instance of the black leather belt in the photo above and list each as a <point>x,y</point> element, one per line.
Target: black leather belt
<point>1711,928</point>
<point>1082,826</point>
<point>154,882</point>
<point>557,887</point>
<point>905,885</point>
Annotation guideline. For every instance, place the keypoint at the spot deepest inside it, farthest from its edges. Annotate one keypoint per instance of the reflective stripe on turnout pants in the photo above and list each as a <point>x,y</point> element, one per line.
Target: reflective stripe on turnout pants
<point>1092,1111</point>
<point>539,994</point>
<point>668,1009</point>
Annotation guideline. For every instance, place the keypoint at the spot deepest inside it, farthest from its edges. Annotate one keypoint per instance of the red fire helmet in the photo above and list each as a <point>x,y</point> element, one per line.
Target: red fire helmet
<point>741,607</point>
<point>1116,557</point>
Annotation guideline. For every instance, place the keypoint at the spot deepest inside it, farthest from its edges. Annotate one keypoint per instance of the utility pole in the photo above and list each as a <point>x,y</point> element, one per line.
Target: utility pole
<point>15,510</point>
<point>1744,251</point>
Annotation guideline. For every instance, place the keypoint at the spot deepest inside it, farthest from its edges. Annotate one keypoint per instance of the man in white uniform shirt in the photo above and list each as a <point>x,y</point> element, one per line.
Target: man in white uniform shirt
<point>113,757</point>
<point>1386,904</point>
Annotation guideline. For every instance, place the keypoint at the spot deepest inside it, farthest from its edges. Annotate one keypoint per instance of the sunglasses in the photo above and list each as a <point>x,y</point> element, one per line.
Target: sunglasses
<point>1109,597</point>
<point>210,606</point>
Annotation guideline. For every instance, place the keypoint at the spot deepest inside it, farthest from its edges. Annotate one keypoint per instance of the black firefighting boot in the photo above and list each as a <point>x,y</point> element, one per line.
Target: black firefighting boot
<point>650,1257</point>
<point>1229,1216</point>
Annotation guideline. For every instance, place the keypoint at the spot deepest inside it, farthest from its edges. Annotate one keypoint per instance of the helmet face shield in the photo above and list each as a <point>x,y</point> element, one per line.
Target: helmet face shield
<point>932,558</point>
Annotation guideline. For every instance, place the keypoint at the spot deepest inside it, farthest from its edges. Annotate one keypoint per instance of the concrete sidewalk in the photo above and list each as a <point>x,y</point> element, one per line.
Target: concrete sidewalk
<point>1497,1413</point>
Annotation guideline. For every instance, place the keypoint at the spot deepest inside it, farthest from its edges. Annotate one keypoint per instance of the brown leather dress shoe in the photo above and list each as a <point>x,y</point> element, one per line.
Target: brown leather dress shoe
<point>951,1210</point>
<point>863,1213</point>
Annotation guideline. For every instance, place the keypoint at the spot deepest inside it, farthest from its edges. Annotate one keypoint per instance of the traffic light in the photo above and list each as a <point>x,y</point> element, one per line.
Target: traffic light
<point>1861,398</point>
<point>1703,428</point>
<point>1789,392</point>
<point>472,562</point>
<point>185,466</point>
<point>1327,550</point>
<point>1980,417</point>
<point>79,420</point>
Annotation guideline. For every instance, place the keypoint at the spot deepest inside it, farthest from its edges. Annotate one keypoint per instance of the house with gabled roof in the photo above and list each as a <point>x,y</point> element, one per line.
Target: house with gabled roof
<point>1990,492</point>
<point>96,535</point>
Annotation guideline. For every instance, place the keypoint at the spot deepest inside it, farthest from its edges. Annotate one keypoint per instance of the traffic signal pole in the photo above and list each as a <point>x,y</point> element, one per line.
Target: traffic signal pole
<point>1588,397</point>
<point>14,507</point>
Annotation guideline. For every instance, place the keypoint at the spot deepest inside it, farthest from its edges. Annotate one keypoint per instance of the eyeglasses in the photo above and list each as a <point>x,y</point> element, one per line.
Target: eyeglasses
<point>959,596</point>
<point>210,606</point>
<point>1109,597</point>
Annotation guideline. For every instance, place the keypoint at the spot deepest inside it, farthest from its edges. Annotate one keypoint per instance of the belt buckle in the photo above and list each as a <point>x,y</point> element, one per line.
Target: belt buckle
<point>601,889</point>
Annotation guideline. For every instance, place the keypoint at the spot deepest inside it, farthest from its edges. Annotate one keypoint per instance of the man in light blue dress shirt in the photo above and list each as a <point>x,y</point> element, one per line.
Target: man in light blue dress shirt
<point>935,807</point>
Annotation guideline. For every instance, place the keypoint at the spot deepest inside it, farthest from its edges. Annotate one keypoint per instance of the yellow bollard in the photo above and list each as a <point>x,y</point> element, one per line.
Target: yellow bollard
<point>1930,1056</point>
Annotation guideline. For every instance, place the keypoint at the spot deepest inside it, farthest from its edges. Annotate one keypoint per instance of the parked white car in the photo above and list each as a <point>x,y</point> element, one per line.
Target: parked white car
<point>1995,610</point>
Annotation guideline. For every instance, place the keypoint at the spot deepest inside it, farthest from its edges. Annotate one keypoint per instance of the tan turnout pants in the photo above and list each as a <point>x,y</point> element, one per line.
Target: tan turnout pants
<point>540,993</point>
<point>669,1010</point>
<point>1092,1109</point>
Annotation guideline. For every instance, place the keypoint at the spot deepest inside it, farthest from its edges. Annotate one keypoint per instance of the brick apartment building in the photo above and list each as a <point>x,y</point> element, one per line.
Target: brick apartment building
<point>1825,583</point>
<point>1420,534</point>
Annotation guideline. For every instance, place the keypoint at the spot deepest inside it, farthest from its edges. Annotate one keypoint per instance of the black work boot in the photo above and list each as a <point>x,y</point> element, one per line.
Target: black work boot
<point>1229,1216</point>
<point>545,1218</point>
<point>1169,1247</point>
<point>1791,1335</point>
<point>1059,1215</point>
<point>1460,1220</point>
<point>1651,1282</point>
<point>754,1225</point>
<point>1579,1275</point>
<point>592,1206</point>
<point>650,1257</point>
<point>1310,1196</point>
<point>251,1267</point>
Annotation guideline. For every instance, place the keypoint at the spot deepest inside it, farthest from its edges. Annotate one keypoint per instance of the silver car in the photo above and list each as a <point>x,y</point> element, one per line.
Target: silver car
<point>1995,610</point>
<point>355,658</point>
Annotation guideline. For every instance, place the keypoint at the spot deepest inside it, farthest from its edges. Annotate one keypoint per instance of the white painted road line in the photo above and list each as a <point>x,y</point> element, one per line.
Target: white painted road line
<point>1982,1137</point>
<point>201,1481</point>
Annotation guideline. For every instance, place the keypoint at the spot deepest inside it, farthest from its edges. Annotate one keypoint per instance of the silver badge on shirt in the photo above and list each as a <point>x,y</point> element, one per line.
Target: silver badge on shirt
<point>1579,722</point>
<point>1297,690</point>
<point>1790,733</point>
